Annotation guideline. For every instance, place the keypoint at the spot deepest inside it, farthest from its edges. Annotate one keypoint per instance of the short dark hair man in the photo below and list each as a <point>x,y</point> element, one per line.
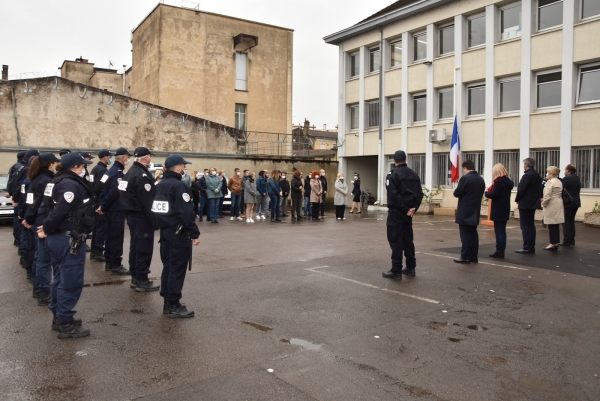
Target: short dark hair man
<point>404,196</point>
<point>99,233</point>
<point>469,192</point>
<point>528,200</point>
<point>572,185</point>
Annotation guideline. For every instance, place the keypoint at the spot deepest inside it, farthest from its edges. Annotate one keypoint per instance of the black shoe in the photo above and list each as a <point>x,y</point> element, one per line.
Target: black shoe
<point>179,311</point>
<point>409,272</point>
<point>564,243</point>
<point>551,248</point>
<point>301,219</point>
<point>278,220</point>
<point>474,260</point>
<point>120,271</point>
<point>214,221</point>
<point>29,275</point>
<point>146,285</point>
<point>35,293</point>
<point>134,283</point>
<point>22,262</point>
<point>108,267</point>
<point>16,242</point>
<point>497,255</point>
<point>293,219</point>
<point>463,261</point>
<point>93,254</point>
<point>392,275</point>
<point>221,216</point>
<point>165,308</point>
<point>55,323</point>
<point>72,330</point>
<point>100,258</point>
<point>44,298</point>
<point>525,251</point>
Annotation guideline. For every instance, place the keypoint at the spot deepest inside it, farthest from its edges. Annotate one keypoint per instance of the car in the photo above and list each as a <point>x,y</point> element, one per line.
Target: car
<point>7,211</point>
<point>155,166</point>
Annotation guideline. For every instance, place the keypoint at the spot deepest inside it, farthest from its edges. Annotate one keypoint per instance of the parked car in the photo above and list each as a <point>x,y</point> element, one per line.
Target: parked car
<point>155,166</point>
<point>7,210</point>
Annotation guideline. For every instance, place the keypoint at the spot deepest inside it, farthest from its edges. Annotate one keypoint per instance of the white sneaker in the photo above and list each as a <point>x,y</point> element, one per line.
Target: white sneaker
<point>258,217</point>
<point>248,220</point>
<point>263,217</point>
<point>251,220</point>
<point>339,218</point>
<point>343,218</point>
<point>239,218</point>
<point>231,218</point>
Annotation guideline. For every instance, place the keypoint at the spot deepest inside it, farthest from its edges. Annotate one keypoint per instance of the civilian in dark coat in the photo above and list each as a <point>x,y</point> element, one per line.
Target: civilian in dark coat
<point>324,185</point>
<point>469,192</point>
<point>572,185</point>
<point>528,200</point>
<point>499,194</point>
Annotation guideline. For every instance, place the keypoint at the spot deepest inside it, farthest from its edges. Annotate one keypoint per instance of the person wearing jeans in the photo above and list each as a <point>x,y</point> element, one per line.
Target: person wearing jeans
<point>499,194</point>
<point>214,193</point>
<point>274,191</point>
<point>236,187</point>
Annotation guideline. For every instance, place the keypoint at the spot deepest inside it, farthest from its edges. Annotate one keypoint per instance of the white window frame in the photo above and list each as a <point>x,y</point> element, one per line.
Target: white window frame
<point>399,100</point>
<point>414,50</point>
<point>507,7</point>
<point>367,116</point>
<point>440,91</point>
<point>499,100</point>
<point>471,17</point>
<point>350,56</point>
<point>579,81</point>
<point>241,71</point>
<point>535,85</point>
<point>373,48</point>
<point>537,17</point>
<point>412,107</point>
<point>439,30</point>
<point>581,18</point>
<point>473,85</point>
<point>245,114</point>
<point>391,46</point>
<point>350,107</point>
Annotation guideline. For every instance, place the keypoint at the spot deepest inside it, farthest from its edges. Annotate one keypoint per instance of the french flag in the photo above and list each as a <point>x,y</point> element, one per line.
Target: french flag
<point>455,152</point>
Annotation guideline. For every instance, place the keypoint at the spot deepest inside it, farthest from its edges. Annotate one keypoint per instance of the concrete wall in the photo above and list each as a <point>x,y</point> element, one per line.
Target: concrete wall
<point>78,72</point>
<point>105,80</point>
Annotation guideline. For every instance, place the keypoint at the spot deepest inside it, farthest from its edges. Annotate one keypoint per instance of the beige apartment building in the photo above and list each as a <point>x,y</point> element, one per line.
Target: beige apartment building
<point>522,77</point>
<point>232,71</point>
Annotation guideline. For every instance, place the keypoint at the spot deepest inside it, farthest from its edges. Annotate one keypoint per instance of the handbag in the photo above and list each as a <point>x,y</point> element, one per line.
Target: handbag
<point>566,197</point>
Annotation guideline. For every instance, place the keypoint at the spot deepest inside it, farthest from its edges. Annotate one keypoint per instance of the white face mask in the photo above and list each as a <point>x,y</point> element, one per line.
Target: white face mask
<point>213,173</point>
<point>239,173</point>
<point>82,174</point>
<point>316,176</point>
<point>126,162</point>
<point>342,178</point>
<point>283,177</point>
<point>355,177</point>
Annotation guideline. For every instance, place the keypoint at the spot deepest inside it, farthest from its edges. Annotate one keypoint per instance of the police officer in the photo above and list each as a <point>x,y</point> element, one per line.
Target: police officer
<point>87,156</point>
<point>404,195</point>
<point>70,204</point>
<point>10,187</point>
<point>137,196</point>
<point>110,204</point>
<point>63,152</point>
<point>175,215</point>
<point>99,233</point>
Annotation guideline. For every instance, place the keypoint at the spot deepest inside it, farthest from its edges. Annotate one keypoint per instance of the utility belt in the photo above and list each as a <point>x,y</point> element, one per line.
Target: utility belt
<point>76,240</point>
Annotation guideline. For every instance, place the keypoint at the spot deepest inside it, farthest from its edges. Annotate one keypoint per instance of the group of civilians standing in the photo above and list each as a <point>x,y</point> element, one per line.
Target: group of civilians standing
<point>533,193</point>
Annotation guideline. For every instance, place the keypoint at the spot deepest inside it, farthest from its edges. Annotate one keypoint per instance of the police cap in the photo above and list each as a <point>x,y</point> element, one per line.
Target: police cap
<point>400,155</point>
<point>141,151</point>
<point>122,151</point>
<point>63,152</point>
<point>21,155</point>
<point>73,159</point>
<point>104,153</point>
<point>48,158</point>
<point>87,155</point>
<point>174,160</point>
<point>31,153</point>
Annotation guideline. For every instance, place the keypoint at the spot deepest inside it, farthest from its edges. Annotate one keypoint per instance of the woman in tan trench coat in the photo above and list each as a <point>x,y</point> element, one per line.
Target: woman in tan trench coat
<point>554,210</point>
<point>316,194</point>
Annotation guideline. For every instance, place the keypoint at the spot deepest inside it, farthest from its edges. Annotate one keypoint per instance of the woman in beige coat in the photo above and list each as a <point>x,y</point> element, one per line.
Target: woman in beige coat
<point>316,194</point>
<point>554,210</point>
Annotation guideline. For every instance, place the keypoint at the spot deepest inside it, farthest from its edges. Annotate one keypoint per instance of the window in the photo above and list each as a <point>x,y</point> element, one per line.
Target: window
<point>240,116</point>
<point>395,110</point>
<point>589,84</point>
<point>446,39</point>
<point>510,95</point>
<point>420,46</point>
<point>590,8</point>
<point>510,160</point>
<point>445,103</point>
<point>354,64</point>
<point>417,164</point>
<point>374,59</point>
<point>548,89</point>
<point>442,170</point>
<point>545,158</point>
<point>354,117</point>
<point>322,145</point>
<point>372,109</point>
<point>476,27</point>
<point>419,108</point>
<point>241,76</point>
<point>587,163</point>
<point>510,21</point>
<point>476,157</point>
<point>550,14</point>
<point>476,100</point>
<point>396,53</point>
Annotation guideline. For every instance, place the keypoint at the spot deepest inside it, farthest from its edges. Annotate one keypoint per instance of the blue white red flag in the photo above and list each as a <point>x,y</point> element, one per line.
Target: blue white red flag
<point>455,153</point>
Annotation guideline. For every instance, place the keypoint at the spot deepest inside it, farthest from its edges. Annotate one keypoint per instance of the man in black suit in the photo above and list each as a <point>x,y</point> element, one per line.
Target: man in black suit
<point>572,185</point>
<point>469,192</point>
<point>528,200</point>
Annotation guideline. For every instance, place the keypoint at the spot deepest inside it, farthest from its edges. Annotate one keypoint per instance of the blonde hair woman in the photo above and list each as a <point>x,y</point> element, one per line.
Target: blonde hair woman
<point>554,208</point>
<point>499,193</point>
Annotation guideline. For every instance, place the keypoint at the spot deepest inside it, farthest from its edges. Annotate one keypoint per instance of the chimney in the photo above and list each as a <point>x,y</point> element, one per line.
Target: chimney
<point>306,126</point>
<point>324,127</point>
<point>4,72</point>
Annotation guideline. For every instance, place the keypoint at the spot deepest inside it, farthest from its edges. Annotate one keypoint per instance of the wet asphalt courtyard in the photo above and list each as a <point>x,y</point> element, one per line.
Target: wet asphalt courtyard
<point>299,311</point>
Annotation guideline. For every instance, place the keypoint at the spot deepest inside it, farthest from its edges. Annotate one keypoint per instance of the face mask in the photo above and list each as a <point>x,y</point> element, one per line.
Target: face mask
<point>214,173</point>
<point>111,161</point>
<point>316,176</point>
<point>341,178</point>
<point>355,177</point>
<point>126,163</point>
<point>283,177</point>
<point>160,177</point>
<point>82,174</point>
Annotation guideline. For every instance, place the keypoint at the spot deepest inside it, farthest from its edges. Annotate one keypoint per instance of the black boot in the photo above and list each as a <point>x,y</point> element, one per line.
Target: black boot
<point>146,285</point>
<point>16,242</point>
<point>120,271</point>
<point>22,262</point>
<point>108,267</point>
<point>55,323</point>
<point>99,257</point>
<point>179,311</point>
<point>134,283</point>
<point>44,298</point>
<point>71,330</point>
<point>165,308</point>
<point>35,293</point>
<point>93,254</point>
<point>499,254</point>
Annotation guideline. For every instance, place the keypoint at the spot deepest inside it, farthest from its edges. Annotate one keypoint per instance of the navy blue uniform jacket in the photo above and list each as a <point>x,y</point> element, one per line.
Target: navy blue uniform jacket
<point>36,210</point>
<point>66,195</point>
<point>110,199</point>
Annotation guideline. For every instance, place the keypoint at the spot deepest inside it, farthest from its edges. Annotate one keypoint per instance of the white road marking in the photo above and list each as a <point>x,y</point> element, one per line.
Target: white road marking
<point>480,262</point>
<point>313,270</point>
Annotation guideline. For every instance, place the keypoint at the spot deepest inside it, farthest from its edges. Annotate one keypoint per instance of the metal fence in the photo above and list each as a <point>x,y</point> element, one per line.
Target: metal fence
<point>587,163</point>
<point>510,161</point>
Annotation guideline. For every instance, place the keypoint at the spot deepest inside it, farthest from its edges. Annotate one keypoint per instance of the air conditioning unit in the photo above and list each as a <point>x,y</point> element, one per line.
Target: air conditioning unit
<point>436,136</point>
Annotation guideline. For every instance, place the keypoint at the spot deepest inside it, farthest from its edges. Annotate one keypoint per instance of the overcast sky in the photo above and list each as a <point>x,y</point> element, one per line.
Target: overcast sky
<point>37,35</point>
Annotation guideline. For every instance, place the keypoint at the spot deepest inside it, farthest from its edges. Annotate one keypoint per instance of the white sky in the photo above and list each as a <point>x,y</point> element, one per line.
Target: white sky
<point>38,35</point>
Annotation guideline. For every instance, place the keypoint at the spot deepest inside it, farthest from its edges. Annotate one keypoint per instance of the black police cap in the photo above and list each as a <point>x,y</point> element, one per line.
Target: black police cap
<point>104,153</point>
<point>48,158</point>
<point>122,151</point>
<point>73,159</point>
<point>21,154</point>
<point>87,154</point>
<point>31,153</point>
<point>400,155</point>
<point>63,152</point>
<point>142,151</point>
<point>174,160</point>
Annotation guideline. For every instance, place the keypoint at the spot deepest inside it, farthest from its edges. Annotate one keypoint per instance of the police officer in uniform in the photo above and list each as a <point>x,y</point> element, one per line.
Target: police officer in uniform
<point>137,196</point>
<point>10,188</point>
<point>110,204</point>
<point>175,215</point>
<point>87,156</point>
<point>63,152</point>
<point>404,195</point>
<point>99,233</point>
<point>70,203</point>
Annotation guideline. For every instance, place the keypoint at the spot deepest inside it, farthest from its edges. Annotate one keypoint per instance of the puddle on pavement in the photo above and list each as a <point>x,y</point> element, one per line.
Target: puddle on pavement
<point>475,327</point>
<point>302,343</point>
<point>257,326</point>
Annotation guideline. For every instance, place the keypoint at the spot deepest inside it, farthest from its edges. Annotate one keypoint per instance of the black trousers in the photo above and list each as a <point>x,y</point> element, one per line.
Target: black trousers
<point>401,238</point>
<point>554,233</point>
<point>315,210</point>
<point>99,233</point>
<point>141,246</point>
<point>527,220</point>
<point>569,225</point>
<point>339,211</point>
<point>175,255</point>
<point>470,242</point>
<point>323,205</point>
<point>296,207</point>
<point>115,232</point>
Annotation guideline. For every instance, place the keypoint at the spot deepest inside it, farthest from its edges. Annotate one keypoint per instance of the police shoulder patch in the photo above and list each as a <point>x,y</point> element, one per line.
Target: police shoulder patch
<point>69,196</point>
<point>147,187</point>
<point>186,196</point>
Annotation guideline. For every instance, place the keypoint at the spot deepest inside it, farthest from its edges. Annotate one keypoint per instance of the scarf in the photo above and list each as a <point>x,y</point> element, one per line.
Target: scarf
<point>491,188</point>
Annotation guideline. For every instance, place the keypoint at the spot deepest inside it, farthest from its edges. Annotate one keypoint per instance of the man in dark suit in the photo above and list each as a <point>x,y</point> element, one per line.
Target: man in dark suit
<point>469,192</point>
<point>572,185</point>
<point>528,200</point>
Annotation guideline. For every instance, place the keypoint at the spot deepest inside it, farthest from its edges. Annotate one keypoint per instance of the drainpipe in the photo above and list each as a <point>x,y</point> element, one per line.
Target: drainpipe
<point>380,155</point>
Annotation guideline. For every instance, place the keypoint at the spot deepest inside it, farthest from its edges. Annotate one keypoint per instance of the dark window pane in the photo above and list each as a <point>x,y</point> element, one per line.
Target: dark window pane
<point>476,100</point>
<point>447,40</point>
<point>420,47</point>
<point>374,59</point>
<point>419,108</point>
<point>548,94</point>
<point>354,66</point>
<point>590,8</point>
<point>510,22</point>
<point>550,15</point>
<point>477,31</point>
<point>554,76</point>
<point>395,111</point>
<point>446,104</point>
<point>589,87</point>
<point>396,51</point>
<point>510,96</point>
